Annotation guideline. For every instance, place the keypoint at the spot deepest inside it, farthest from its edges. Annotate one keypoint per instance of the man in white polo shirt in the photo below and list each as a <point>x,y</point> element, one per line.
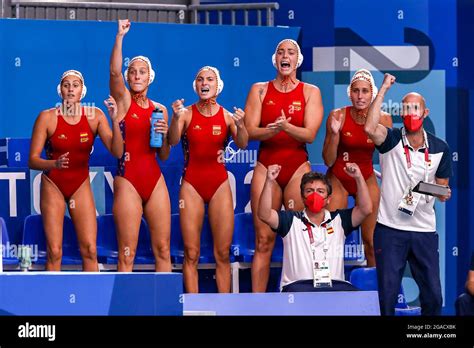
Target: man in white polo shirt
<point>406,222</point>
<point>313,239</point>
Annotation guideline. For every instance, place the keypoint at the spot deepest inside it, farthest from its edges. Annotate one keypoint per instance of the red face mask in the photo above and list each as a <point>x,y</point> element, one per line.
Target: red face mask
<point>314,202</point>
<point>412,122</point>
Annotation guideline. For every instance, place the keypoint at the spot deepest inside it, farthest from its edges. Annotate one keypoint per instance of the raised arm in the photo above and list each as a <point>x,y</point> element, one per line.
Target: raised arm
<point>313,117</point>
<point>376,132</point>
<point>237,127</point>
<point>253,114</point>
<point>179,120</point>
<point>265,211</point>
<point>331,141</point>
<point>116,147</point>
<point>364,203</point>
<point>118,90</point>
<point>38,139</point>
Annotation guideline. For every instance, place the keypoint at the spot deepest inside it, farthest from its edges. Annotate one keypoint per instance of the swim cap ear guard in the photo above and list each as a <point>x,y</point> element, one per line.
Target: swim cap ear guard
<point>151,76</point>
<point>220,83</point>
<point>72,73</point>
<point>300,55</point>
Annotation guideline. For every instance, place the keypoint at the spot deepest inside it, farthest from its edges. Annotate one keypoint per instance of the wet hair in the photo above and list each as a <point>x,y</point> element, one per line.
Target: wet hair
<point>315,176</point>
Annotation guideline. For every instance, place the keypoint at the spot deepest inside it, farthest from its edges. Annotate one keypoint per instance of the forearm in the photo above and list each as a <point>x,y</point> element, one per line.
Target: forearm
<point>374,113</point>
<point>363,196</point>
<point>117,140</point>
<point>174,132</point>
<point>116,57</point>
<point>301,134</point>
<point>164,151</point>
<point>38,163</point>
<point>242,138</point>
<point>330,149</point>
<point>265,203</point>
<point>260,134</point>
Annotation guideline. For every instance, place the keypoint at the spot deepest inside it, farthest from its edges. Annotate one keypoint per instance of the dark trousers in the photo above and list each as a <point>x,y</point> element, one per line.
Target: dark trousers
<point>465,304</point>
<point>393,248</point>
<point>307,286</point>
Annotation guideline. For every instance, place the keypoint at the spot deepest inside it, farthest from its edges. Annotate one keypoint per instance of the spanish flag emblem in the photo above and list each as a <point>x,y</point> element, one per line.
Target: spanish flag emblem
<point>84,137</point>
<point>297,105</point>
<point>216,130</point>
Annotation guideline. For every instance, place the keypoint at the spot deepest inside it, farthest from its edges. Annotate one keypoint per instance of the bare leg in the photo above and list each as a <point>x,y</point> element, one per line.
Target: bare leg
<point>127,216</point>
<point>191,217</point>
<point>52,207</point>
<point>221,218</point>
<point>82,210</point>
<point>158,215</point>
<point>339,194</point>
<point>368,225</point>
<point>292,195</point>
<point>264,236</point>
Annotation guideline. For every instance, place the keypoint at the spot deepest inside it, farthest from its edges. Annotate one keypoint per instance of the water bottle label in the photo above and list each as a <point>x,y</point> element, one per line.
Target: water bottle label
<point>156,139</point>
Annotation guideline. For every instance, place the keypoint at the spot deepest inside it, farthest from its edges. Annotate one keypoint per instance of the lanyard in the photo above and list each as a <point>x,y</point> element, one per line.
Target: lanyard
<point>408,157</point>
<point>312,242</point>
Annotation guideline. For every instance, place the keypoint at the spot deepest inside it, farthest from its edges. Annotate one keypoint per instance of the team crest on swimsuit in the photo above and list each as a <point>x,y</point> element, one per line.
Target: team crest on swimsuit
<point>270,102</point>
<point>62,137</point>
<point>197,127</point>
<point>84,137</point>
<point>296,105</point>
<point>216,130</point>
<point>134,116</point>
<point>347,134</point>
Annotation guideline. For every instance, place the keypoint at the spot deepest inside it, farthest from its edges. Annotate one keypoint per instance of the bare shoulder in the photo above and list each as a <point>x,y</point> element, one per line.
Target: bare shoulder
<point>338,111</point>
<point>259,88</point>
<point>309,89</point>
<point>47,116</point>
<point>159,106</point>
<point>93,112</point>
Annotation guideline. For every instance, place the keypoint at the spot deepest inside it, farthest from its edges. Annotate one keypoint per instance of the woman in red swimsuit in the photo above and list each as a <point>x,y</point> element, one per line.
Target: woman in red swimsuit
<point>345,142</point>
<point>139,187</point>
<point>67,133</point>
<point>204,129</point>
<point>284,115</point>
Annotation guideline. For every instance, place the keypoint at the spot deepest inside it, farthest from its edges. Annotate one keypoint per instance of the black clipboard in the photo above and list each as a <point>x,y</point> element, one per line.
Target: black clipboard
<point>431,189</point>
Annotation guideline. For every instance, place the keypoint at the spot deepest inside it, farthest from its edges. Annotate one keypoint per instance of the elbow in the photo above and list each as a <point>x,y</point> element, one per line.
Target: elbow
<point>172,141</point>
<point>163,154</point>
<point>243,144</point>
<point>117,153</point>
<point>32,164</point>
<point>114,71</point>
<point>163,157</point>
<point>327,161</point>
<point>368,208</point>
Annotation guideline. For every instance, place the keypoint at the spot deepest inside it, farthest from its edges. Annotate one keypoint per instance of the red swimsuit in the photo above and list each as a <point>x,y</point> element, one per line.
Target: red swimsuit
<point>354,146</point>
<point>77,140</point>
<point>138,163</point>
<point>203,145</point>
<point>282,149</point>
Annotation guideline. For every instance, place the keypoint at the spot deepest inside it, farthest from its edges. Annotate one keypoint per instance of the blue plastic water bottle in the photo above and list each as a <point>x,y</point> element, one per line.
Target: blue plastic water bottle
<point>156,139</point>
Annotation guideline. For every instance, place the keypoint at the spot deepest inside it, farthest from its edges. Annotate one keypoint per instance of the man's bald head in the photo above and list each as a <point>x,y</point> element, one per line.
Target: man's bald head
<point>414,97</point>
<point>413,103</point>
